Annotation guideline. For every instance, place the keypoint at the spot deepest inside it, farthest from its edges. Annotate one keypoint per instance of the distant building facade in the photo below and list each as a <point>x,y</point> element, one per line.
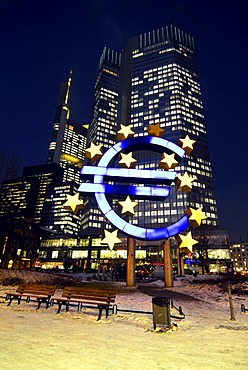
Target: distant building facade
<point>239,257</point>
<point>46,175</point>
<point>18,198</point>
<point>54,216</point>
<point>68,141</point>
<point>40,195</point>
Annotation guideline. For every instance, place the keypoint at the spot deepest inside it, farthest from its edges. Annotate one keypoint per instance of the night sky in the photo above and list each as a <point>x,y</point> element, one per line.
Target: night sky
<point>42,40</point>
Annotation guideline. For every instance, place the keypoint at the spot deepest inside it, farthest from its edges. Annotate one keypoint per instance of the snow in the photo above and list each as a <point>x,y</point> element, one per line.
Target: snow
<point>205,339</point>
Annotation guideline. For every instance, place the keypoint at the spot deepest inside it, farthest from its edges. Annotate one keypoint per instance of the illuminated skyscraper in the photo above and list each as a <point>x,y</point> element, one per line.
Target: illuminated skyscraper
<point>54,215</point>
<point>40,194</point>
<point>68,142</point>
<point>18,197</point>
<point>160,84</point>
<point>61,116</point>
<point>102,129</point>
<point>25,196</point>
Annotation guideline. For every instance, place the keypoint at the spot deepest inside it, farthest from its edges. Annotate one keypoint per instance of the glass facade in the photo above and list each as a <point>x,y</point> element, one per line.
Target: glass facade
<point>73,151</point>
<point>68,141</point>
<point>54,215</point>
<point>102,129</point>
<point>61,116</point>
<point>239,256</point>
<point>160,85</point>
<point>46,174</point>
<point>18,197</point>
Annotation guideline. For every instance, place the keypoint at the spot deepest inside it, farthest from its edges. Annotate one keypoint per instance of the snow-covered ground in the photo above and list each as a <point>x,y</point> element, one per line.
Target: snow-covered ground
<point>205,339</point>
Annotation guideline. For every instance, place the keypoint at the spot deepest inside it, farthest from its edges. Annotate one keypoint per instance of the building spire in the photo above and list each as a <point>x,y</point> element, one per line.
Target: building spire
<point>68,87</point>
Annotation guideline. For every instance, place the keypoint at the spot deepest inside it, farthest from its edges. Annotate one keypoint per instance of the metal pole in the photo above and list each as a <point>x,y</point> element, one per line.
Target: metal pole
<point>168,272</point>
<point>130,262</point>
<point>230,302</point>
<point>179,265</point>
<point>182,264</point>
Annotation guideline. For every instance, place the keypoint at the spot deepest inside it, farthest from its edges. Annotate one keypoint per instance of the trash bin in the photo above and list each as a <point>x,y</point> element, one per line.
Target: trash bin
<point>161,311</point>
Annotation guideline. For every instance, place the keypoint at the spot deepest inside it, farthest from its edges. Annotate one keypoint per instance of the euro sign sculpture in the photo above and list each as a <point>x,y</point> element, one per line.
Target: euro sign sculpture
<point>103,173</point>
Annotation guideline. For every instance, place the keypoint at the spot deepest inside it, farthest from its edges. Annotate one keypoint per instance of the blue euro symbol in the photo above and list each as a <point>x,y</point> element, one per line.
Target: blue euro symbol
<point>102,172</point>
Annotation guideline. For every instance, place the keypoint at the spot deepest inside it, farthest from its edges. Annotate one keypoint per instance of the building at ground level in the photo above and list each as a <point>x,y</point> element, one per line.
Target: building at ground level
<point>239,257</point>
<point>89,254</point>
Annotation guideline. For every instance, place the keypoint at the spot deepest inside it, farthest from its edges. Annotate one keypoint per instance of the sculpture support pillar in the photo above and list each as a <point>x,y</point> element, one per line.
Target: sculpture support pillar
<point>168,272</point>
<point>130,262</point>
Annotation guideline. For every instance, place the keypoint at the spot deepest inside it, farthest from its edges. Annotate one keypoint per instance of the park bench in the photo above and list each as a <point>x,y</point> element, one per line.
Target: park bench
<point>41,292</point>
<point>102,299</point>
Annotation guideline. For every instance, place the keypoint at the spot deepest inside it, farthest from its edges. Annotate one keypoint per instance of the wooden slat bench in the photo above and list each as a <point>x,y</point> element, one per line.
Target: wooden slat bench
<point>41,292</point>
<point>102,299</point>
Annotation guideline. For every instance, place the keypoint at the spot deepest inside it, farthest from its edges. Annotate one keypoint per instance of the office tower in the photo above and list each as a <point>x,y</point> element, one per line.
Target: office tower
<point>49,209</point>
<point>25,196</point>
<point>40,194</point>
<point>73,151</point>
<point>46,174</point>
<point>54,216</point>
<point>61,116</point>
<point>18,198</point>
<point>68,142</point>
<point>102,129</point>
<point>160,85</point>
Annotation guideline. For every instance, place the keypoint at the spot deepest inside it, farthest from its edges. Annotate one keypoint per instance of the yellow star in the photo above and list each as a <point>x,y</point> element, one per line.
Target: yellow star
<point>125,132</point>
<point>73,203</point>
<point>167,161</point>
<point>128,206</point>
<point>111,238</point>
<point>184,182</point>
<point>94,152</point>
<point>195,216</point>
<point>155,130</point>
<point>186,241</point>
<point>186,144</point>
<point>127,160</point>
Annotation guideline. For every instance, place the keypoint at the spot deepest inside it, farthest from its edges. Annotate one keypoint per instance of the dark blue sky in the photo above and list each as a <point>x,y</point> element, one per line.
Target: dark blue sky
<point>42,40</point>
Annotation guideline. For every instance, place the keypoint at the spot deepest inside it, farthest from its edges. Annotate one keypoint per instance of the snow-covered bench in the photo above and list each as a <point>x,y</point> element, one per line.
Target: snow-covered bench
<point>102,299</point>
<point>41,292</point>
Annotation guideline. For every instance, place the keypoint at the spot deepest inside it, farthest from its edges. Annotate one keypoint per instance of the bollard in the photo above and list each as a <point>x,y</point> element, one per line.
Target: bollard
<point>230,302</point>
